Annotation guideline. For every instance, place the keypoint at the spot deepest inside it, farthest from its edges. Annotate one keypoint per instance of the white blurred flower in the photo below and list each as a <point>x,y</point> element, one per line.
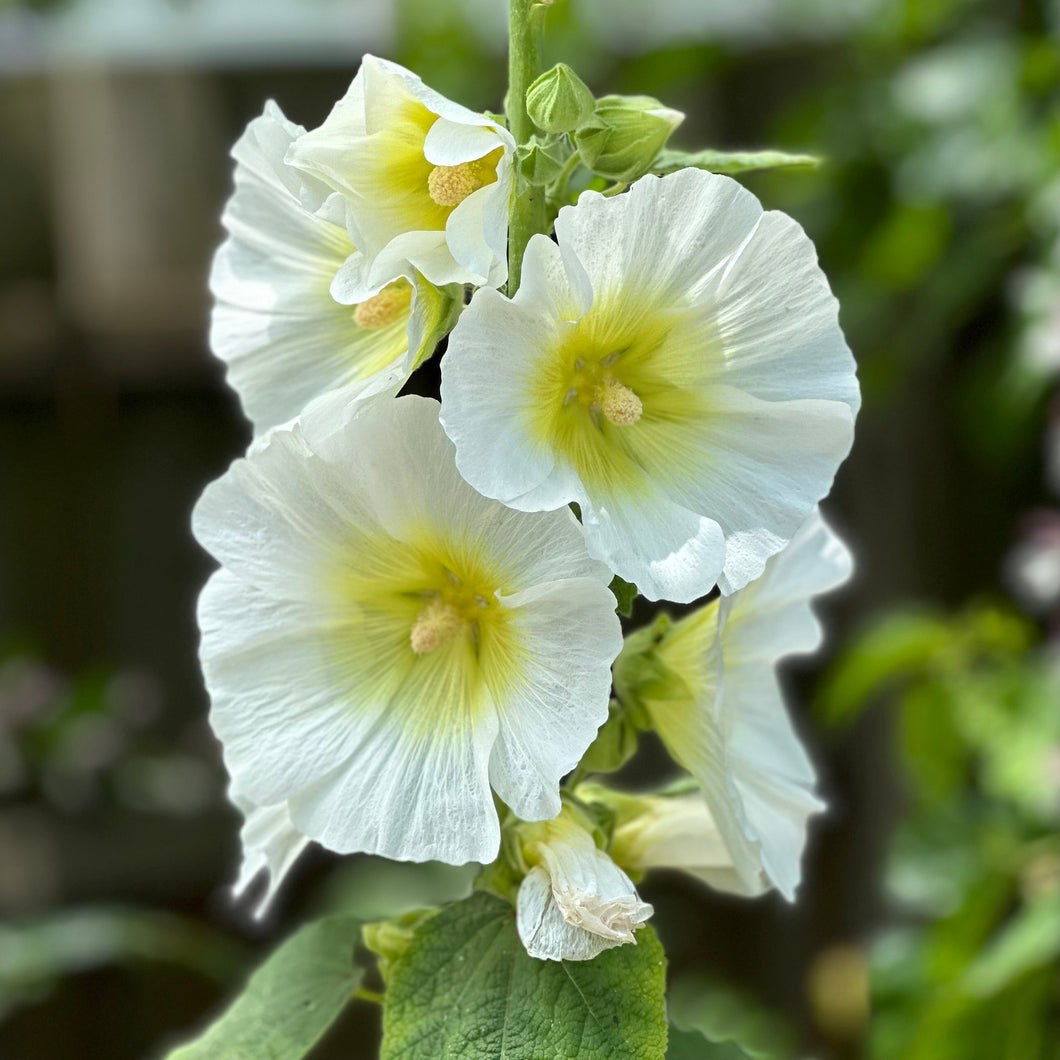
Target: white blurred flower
<point>575,902</point>
<point>270,843</point>
<point>672,832</point>
<point>284,338</point>
<point>382,644</point>
<point>424,181</point>
<point>675,366</point>
<point>720,711</point>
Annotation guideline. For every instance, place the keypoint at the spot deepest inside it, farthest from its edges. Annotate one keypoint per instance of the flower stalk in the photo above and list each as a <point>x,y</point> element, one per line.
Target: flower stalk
<point>527,215</point>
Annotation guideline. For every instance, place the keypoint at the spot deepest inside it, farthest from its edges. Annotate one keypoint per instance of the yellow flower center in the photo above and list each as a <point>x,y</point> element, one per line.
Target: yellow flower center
<point>383,308</point>
<point>594,387</point>
<point>451,610</point>
<point>451,185</point>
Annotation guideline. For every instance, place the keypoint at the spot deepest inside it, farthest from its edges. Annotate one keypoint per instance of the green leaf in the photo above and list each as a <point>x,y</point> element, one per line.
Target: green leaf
<point>669,161</point>
<point>625,593</point>
<point>290,1001</point>
<point>466,990</point>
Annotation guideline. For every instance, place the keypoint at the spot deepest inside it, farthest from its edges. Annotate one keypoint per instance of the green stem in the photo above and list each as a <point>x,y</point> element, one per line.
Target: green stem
<point>364,994</point>
<point>527,214</point>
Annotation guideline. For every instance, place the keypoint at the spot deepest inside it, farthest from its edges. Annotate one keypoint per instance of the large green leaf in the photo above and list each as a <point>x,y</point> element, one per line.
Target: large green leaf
<point>290,1001</point>
<point>668,161</point>
<point>466,990</point>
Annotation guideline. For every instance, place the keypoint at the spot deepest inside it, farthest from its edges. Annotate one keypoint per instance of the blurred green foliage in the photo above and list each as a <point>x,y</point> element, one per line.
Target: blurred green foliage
<point>968,967</point>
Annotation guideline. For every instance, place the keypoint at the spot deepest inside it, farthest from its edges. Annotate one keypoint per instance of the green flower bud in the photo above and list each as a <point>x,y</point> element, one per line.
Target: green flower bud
<point>559,100</point>
<point>624,135</point>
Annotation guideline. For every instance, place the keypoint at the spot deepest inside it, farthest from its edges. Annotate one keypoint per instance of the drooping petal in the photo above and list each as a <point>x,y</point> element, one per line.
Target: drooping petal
<point>271,844</point>
<point>577,902</point>
<point>727,722</point>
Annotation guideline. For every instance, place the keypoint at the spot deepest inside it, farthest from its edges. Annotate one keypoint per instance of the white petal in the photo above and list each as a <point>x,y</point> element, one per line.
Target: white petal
<point>664,237</point>
<point>678,832</point>
<point>270,843</point>
<point>551,707</point>
<point>668,552</point>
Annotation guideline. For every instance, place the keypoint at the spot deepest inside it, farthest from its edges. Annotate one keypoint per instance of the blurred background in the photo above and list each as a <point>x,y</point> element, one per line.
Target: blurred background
<point>928,925</point>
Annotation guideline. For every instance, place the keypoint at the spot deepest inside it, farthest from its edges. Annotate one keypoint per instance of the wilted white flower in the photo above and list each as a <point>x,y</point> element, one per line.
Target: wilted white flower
<point>382,644</point>
<point>575,902</point>
<point>424,180</point>
<point>715,699</point>
<point>270,843</point>
<point>285,339</point>
<point>675,366</point>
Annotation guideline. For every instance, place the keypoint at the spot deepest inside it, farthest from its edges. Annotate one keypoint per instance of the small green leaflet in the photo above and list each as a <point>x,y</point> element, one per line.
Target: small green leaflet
<point>668,161</point>
<point>625,593</point>
<point>466,990</point>
<point>290,1001</point>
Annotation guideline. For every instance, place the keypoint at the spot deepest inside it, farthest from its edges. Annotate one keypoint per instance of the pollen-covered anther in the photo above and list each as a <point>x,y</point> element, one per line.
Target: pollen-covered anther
<point>451,185</point>
<point>435,625</point>
<point>383,308</point>
<point>617,403</point>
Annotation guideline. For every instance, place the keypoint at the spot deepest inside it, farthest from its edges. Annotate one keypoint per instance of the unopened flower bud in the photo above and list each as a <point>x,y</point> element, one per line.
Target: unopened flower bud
<point>540,163</point>
<point>559,101</point>
<point>624,135</point>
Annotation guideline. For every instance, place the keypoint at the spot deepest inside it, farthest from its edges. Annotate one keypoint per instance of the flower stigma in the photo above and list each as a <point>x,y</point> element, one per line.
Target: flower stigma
<point>594,388</point>
<point>450,611</point>
<point>383,308</point>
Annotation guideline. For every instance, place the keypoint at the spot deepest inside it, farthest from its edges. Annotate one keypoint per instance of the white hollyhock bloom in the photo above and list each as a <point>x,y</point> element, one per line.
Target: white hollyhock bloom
<point>675,366</point>
<point>720,710</point>
<point>671,832</point>
<point>283,336</point>
<point>382,644</point>
<point>424,181</point>
<point>271,844</point>
<point>575,902</point>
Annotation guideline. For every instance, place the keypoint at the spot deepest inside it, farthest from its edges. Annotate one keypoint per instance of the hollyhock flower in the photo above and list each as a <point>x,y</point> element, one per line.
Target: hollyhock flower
<point>675,366</point>
<point>284,338</point>
<point>709,684</point>
<point>382,644</point>
<point>670,831</point>
<point>575,902</point>
<point>271,844</point>
<point>424,180</point>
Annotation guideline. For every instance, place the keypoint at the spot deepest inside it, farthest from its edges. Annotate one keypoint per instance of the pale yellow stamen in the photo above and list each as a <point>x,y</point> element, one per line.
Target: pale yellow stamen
<point>617,403</point>
<point>435,625</point>
<point>383,308</point>
<point>451,185</point>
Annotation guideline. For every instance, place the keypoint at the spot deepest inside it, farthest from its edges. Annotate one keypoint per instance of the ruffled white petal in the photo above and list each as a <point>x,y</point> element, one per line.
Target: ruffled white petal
<point>271,844</point>
<point>577,902</point>
<point>336,535</point>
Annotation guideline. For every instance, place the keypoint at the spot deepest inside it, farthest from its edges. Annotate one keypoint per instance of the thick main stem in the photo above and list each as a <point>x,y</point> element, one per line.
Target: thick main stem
<point>527,214</point>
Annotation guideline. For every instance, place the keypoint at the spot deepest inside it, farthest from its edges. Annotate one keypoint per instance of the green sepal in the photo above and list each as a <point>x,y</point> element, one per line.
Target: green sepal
<point>466,989</point>
<point>540,161</point>
<point>625,593</point>
<point>731,162</point>
<point>639,673</point>
<point>615,743</point>
<point>290,1001</point>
